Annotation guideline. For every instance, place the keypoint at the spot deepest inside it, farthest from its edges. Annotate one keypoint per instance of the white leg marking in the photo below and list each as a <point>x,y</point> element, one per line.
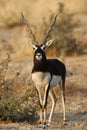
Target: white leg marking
<point>45,112</point>
<point>40,100</point>
<point>44,105</point>
<point>41,116</point>
<point>63,102</point>
<point>40,96</point>
<point>45,95</point>
<point>64,112</point>
<point>53,98</point>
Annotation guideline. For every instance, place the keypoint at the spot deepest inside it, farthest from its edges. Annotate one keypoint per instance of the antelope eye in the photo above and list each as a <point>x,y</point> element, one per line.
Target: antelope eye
<point>43,47</point>
<point>34,48</point>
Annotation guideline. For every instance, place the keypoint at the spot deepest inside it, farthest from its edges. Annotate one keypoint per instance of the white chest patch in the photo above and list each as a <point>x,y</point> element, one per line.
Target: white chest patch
<point>41,79</point>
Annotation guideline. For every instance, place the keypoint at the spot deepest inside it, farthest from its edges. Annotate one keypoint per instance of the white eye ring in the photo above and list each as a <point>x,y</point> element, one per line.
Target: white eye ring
<point>34,47</point>
<point>43,47</point>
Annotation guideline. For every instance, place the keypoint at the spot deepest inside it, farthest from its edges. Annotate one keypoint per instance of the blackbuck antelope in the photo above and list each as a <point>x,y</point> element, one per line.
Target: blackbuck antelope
<point>46,73</point>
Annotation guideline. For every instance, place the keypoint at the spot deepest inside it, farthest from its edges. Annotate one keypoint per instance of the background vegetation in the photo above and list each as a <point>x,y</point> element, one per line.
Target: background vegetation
<point>70,26</point>
<point>16,104</point>
<point>65,41</point>
<point>18,100</point>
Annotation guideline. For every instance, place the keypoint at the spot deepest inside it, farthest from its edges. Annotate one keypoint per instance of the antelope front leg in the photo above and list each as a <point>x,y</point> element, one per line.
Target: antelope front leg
<point>54,99</point>
<point>41,106</point>
<point>45,103</point>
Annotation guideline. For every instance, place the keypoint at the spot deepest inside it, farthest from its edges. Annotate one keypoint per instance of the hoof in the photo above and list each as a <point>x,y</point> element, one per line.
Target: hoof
<point>40,124</point>
<point>44,126</point>
<point>48,124</point>
<point>64,123</point>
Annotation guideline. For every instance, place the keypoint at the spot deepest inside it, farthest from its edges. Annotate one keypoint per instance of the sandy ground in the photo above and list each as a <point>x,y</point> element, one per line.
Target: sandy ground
<point>76,98</point>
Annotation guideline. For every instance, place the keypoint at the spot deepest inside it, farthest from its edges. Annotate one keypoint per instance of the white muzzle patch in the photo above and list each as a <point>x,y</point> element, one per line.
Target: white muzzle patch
<point>38,56</point>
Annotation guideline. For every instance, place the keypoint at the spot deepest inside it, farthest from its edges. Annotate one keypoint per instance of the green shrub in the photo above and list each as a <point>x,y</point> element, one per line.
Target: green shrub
<point>16,106</point>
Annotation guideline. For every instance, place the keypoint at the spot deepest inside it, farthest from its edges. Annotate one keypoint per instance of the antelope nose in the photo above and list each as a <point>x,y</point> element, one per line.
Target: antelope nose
<point>38,54</point>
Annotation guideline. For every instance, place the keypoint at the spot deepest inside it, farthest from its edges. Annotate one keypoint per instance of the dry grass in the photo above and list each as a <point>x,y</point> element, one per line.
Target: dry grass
<point>10,10</point>
<point>13,40</point>
<point>76,97</point>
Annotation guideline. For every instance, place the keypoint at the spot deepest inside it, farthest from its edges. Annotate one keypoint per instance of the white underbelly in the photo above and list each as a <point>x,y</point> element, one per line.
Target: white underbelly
<point>55,80</point>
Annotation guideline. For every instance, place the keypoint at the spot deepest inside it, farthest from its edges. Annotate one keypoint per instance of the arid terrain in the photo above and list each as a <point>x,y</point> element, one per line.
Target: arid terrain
<point>16,73</point>
<point>76,97</point>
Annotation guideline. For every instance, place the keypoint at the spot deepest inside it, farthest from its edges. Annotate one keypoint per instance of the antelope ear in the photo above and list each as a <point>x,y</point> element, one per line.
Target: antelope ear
<point>48,43</point>
<point>32,45</point>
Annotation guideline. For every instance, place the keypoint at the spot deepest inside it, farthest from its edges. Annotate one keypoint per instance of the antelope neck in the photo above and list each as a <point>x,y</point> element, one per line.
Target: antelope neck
<point>39,65</point>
